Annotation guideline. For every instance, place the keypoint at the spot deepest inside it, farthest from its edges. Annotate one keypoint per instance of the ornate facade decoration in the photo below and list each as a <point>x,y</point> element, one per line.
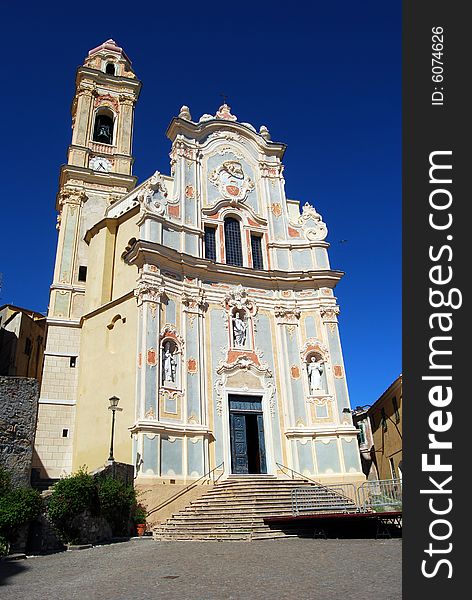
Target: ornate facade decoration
<point>153,195</point>
<point>320,400</point>
<point>149,291</point>
<point>270,170</point>
<point>231,181</point>
<point>329,313</point>
<point>238,298</point>
<point>224,112</point>
<point>287,315</point>
<point>312,224</point>
<point>107,100</point>
<point>243,363</point>
<point>170,331</point>
<point>71,196</point>
<point>314,346</point>
<point>185,113</point>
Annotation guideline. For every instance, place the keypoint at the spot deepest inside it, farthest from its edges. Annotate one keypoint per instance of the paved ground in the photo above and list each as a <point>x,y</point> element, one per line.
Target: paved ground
<point>301,569</point>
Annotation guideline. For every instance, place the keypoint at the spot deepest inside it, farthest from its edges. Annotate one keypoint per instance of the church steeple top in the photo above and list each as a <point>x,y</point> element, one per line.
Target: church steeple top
<point>109,46</point>
<point>110,59</point>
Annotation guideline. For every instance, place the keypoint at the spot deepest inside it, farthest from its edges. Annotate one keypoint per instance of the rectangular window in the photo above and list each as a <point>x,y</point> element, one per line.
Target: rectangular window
<point>210,243</point>
<point>82,273</point>
<point>233,247</point>
<point>256,247</point>
<point>361,435</point>
<point>65,433</point>
<point>384,419</point>
<point>395,410</point>
<point>28,346</point>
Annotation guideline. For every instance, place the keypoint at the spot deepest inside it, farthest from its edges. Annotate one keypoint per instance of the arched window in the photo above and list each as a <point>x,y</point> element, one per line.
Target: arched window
<point>234,252</point>
<point>110,69</point>
<point>103,130</point>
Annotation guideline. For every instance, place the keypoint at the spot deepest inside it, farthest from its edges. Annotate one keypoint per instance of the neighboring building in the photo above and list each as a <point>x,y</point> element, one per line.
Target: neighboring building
<point>384,428</point>
<point>361,420</point>
<point>22,339</point>
<point>203,300</point>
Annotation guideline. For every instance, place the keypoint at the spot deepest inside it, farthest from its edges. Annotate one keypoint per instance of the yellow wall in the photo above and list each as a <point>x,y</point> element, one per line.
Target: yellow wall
<point>124,275</point>
<point>107,368</point>
<point>387,440</point>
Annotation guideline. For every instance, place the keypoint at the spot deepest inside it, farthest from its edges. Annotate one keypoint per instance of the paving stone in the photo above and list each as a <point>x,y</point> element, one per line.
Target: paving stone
<point>286,569</point>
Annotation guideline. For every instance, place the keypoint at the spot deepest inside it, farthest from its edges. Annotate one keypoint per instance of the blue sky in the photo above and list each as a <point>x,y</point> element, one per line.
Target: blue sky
<point>325,77</point>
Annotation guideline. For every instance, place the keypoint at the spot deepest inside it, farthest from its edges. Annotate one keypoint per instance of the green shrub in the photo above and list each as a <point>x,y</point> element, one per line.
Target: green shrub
<point>116,501</point>
<point>72,496</point>
<point>139,514</point>
<point>17,507</point>
<point>80,492</point>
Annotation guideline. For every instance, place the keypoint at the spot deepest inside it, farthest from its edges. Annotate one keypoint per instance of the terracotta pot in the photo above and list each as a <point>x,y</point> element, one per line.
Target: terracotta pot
<point>140,528</point>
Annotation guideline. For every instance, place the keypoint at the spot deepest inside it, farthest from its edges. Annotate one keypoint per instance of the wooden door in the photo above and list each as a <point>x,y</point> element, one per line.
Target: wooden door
<point>239,460</point>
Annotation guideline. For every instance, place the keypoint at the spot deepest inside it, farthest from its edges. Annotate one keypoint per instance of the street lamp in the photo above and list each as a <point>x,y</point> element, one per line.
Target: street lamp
<point>113,407</point>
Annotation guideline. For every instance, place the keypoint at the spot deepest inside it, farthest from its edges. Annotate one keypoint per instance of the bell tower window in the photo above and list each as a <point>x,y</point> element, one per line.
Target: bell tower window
<point>233,248</point>
<point>110,69</point>
<point>103,130</point>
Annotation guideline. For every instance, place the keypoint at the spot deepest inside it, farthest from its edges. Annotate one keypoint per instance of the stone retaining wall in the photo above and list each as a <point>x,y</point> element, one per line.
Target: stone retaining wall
<point>18,413</point>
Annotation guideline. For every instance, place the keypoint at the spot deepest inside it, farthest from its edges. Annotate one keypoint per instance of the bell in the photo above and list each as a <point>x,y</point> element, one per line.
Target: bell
<point>104,134</point>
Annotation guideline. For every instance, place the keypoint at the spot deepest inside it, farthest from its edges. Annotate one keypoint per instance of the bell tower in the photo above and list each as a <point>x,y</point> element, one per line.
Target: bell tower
<point>98,172</point>
<point>99,165</point>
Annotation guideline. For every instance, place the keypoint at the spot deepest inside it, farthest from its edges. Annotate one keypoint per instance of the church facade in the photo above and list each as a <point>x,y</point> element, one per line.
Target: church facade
<point>204,300</point>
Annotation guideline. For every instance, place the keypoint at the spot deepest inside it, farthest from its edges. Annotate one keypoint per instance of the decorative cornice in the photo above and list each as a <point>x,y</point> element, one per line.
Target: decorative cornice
<point>169,259</point>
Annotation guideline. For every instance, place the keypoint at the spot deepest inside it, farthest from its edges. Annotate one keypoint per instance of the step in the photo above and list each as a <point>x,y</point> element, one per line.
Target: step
<point>213,526</point>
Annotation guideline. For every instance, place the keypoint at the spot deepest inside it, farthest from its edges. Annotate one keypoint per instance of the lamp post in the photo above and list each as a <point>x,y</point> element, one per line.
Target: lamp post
<point>113,407</point>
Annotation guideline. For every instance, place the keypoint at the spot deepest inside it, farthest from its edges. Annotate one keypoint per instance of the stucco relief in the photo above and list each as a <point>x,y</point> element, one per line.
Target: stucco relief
<point>195,301</point>
<point>329,313</point>
<point>107,100</point>
<point>287,315</point>
<point>312,223</point>
<point>153,195</point>
<point>244,364</point>
<point>312,345</point>
<point>149,291</point>
<point>231,181</point>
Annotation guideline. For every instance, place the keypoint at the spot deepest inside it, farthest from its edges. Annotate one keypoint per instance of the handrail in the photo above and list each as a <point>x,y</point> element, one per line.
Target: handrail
<point>187,488</point>
<point>326,487</point>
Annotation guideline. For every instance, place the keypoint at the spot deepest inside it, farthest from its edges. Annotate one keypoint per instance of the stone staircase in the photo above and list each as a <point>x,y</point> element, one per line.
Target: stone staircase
<point>235,509</point>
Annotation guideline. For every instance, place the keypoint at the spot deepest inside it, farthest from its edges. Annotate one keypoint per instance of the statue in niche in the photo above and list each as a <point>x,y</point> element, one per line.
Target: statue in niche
<point>169,364</point>
<point>239,330</point>
<point>315,371</point>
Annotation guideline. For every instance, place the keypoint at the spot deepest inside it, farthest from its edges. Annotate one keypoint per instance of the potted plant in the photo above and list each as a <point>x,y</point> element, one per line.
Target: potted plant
<point>140,515</point>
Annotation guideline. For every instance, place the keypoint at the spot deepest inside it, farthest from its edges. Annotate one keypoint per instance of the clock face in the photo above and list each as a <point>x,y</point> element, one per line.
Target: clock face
<point>100,164</point>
